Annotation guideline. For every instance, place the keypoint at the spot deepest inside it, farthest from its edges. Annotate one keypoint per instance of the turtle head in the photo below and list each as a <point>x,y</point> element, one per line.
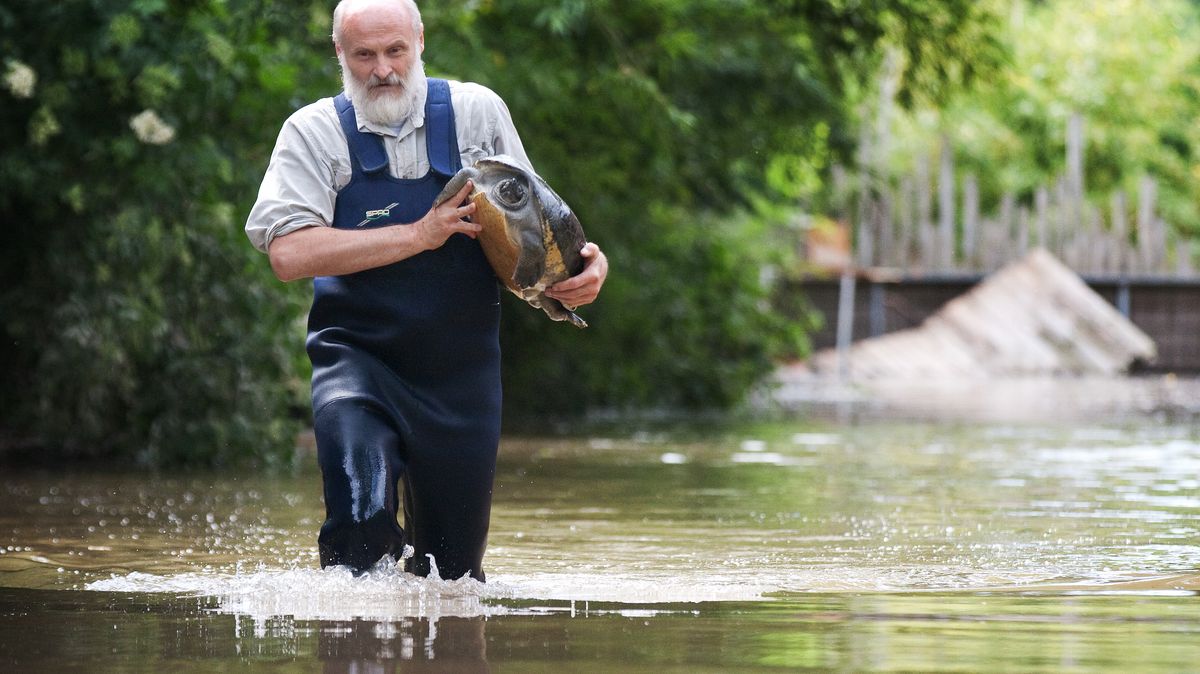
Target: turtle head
<point>512,202</point>
<point>527,201</point>
<point>508,185</point>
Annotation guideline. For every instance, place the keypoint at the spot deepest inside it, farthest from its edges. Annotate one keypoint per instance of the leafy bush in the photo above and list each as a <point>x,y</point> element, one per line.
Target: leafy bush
<point>137,320</point>
<point>683,132</point>
<point>1129,68</point>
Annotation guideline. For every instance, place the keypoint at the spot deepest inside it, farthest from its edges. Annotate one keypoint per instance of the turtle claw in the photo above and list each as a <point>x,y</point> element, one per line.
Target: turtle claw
<point>557,311</point>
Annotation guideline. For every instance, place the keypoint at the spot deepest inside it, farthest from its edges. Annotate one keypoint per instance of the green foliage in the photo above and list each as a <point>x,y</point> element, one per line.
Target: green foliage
<point>137,320</point>
<point>133,134</point>
<point>685,323</point>
<point>1132,69</point>
<point>668,125</point>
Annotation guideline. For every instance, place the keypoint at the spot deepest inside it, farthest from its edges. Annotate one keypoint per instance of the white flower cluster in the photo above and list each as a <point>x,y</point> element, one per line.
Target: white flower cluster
<point>20,79</point>
<point>151,129</point>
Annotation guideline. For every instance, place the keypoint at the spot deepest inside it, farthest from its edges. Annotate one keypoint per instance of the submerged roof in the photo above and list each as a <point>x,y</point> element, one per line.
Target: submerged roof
<point>1034,316</point>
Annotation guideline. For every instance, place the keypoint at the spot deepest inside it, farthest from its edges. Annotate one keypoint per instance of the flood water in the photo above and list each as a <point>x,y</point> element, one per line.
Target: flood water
<point>800,545</point>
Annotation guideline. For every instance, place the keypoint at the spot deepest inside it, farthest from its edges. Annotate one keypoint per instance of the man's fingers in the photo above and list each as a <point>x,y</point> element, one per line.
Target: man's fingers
<point>584,277</point>
<point>584,287</point>
<point>462,194</point>
<point>573,283</point>
<point>573,299</point>
<point>575,289</point>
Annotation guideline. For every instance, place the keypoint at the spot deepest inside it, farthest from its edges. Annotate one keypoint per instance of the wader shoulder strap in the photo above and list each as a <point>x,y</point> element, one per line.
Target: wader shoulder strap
<point>366,149</point>
<point>441,136</point>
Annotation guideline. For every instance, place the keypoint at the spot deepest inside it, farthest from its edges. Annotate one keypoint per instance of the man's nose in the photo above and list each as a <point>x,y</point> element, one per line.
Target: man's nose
<point>382,69</point>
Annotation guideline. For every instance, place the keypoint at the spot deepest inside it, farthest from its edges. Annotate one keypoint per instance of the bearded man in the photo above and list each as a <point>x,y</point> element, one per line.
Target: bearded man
<point>403,330</point>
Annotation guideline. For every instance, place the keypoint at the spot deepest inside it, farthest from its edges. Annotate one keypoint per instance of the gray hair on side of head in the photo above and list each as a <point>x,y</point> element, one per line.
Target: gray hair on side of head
<point>340,11</point>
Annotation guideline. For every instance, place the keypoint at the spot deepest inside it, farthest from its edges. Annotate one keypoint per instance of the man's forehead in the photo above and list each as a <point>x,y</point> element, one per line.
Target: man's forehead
<point>378,35</point>
<point>376,10</point>
<point>377,18</point>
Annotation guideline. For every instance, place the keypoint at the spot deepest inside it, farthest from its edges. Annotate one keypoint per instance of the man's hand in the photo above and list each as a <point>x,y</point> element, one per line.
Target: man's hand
<point>445,220</point>
<point>583,288</point>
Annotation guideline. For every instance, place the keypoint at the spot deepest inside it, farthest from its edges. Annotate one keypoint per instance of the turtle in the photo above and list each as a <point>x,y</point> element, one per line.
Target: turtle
<point>530,236</point>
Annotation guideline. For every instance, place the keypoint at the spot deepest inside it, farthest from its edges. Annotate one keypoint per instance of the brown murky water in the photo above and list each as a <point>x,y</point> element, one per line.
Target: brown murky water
<point>878,546</point>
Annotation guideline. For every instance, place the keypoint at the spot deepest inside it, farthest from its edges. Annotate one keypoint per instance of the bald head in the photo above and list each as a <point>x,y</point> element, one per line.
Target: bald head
<point>350,10</point>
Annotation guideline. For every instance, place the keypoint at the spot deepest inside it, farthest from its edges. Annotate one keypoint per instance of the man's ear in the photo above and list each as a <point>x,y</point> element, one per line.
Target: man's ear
<point>421,40</point>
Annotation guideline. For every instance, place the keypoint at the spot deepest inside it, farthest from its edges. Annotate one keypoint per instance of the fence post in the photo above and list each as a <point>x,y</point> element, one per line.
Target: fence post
<point>1075,154</point>
<point>861,239</point>
<point>1014,233</point>
<point>1146,239</point>
<point>925,234</point>
<point>904,242</point>
<point>945,239</point>
<point>895,223</point>
<point>1120,230</point>
<point>887,229</point>
<point>1041,202</point>
<point>970,244</point>
<point>1183,256</point>
<point>1073,202</point>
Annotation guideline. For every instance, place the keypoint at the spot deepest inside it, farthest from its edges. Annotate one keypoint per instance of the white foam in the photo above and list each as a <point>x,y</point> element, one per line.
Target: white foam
<point>753,445</point>
<point>385,592</point>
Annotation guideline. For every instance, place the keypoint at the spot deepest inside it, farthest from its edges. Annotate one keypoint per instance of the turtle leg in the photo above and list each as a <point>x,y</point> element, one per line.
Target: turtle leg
<point>555,310</point>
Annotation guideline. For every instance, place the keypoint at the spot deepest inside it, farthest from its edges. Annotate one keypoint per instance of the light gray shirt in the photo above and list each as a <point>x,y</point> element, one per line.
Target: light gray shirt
<point>311,161</point>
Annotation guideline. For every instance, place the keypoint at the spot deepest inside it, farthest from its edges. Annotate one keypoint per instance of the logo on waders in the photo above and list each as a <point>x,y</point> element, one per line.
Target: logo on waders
<point>378,213</point>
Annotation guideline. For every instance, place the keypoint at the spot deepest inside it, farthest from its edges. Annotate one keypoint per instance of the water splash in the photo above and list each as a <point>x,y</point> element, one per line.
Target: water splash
<point>385,592</point>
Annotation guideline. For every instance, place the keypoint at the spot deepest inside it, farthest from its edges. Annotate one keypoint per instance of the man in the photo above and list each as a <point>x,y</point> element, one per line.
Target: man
<point>403,331</point>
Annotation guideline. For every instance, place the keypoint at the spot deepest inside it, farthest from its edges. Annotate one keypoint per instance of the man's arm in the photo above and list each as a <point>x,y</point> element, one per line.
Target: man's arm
<point>325,251</point>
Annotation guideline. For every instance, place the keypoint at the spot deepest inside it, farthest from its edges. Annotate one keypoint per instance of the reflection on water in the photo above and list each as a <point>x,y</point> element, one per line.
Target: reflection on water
<point>880,546</point>
<point>96,631</point>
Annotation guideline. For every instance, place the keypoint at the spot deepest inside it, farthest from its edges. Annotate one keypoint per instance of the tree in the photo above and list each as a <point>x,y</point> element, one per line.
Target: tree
<point>678,129</point>
<point>137,318</point>
<point>138,321</point>
<point>1130,68</point>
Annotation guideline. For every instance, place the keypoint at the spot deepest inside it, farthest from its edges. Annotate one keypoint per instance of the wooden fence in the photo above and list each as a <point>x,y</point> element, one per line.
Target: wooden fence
<point>916,224</point>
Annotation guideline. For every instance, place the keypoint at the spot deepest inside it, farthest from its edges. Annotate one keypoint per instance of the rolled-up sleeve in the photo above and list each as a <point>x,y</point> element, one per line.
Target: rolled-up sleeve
<point>297,191</point>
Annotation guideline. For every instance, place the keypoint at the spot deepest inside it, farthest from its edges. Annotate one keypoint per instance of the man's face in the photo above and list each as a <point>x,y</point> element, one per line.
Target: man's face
<point>379,49</point>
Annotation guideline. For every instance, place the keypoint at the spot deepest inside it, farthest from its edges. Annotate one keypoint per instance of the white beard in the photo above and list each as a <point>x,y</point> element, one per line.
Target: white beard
<point>387,107</point>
